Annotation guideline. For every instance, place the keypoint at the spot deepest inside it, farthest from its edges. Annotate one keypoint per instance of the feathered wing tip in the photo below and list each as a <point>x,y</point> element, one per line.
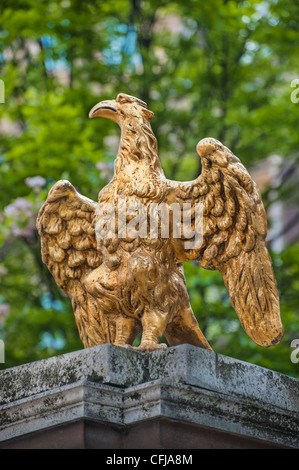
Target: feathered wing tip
<point>236,228</point>
<point>69,250</point>
<point>251,284</point>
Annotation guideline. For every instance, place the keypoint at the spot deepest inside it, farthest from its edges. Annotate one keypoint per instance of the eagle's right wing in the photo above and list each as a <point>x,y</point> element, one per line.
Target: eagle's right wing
<point>66,227</point>
<point>233,229</point>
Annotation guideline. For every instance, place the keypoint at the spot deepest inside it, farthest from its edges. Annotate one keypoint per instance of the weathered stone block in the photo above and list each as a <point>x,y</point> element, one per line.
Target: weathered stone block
<point>106,395</point>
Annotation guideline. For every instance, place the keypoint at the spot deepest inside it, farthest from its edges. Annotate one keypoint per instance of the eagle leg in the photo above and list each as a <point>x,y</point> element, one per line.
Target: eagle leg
<point>153,326</point>
<point>126,330</point>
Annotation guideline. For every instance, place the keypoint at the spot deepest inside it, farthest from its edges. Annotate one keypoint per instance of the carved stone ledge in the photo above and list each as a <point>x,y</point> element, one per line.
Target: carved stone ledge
<point>110,397</point>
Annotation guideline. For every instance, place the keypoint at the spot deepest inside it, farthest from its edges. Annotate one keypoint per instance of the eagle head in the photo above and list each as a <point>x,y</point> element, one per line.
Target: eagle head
<point>124,108</point>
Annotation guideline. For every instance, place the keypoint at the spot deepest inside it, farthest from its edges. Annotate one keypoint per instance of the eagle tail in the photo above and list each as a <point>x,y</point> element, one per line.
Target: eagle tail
<point>250,281</point>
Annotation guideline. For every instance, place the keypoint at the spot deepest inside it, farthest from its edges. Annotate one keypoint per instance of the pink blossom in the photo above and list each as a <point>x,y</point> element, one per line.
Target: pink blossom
<point>21,232</point>
<point>35,181</point>
<point>23,215</point>
<point>19,206</point>
<point>3,271</point>
<point>4,310</point>
<point>104,166</point>
<point>106,170</point>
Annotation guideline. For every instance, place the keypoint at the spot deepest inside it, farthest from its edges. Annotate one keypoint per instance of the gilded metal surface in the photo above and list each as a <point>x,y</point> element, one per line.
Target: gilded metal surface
<point>123,285</point>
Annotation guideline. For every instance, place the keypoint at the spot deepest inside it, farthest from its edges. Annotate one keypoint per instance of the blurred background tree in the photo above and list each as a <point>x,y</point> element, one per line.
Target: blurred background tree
<point>221,68</point>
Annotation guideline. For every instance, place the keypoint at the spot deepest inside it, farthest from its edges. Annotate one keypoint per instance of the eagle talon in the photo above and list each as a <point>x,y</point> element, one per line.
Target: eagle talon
<point>148,347</point>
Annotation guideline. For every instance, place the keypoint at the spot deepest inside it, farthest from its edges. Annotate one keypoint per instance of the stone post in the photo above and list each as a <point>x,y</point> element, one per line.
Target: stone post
<point>108,397</point>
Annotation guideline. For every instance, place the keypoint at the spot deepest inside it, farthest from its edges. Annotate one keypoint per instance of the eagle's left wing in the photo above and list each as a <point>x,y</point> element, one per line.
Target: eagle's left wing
<point>233,228</point>
<point>69,249</point>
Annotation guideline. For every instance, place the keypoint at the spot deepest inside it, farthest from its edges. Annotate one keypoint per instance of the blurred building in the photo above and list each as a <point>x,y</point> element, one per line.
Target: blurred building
<point>278,177</point>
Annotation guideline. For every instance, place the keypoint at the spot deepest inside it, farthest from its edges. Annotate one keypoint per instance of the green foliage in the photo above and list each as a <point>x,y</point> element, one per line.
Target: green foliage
<point>220,68</point>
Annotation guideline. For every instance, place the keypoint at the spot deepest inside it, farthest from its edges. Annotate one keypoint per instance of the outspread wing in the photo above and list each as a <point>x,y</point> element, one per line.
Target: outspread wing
<point>234,230</point>
<point>66,227</point>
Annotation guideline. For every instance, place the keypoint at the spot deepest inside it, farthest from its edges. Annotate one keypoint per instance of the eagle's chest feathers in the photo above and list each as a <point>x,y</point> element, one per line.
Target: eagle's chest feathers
<point>125,216</point>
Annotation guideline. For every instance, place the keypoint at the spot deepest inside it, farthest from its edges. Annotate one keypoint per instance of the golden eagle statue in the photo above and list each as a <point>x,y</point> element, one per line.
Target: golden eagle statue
<point>131,280</point>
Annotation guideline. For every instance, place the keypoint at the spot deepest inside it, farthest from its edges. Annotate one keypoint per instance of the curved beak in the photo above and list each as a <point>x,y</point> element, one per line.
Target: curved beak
<point>105,109</point>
